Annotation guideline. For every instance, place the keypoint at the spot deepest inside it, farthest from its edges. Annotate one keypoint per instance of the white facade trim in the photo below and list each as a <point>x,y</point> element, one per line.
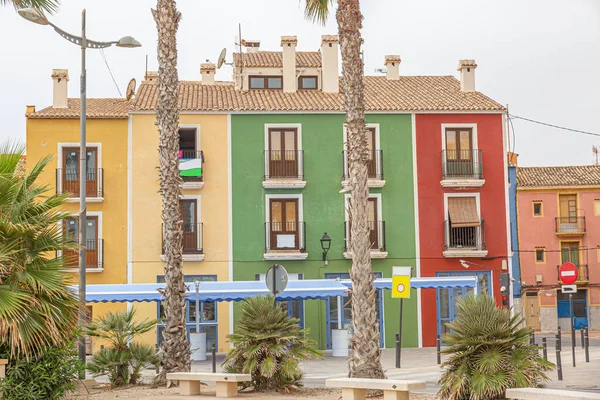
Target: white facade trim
<point>198,199</point>
<point>417,230</point>
<point>129,203</point>
<point>507,205</point>
<point>230,216</point>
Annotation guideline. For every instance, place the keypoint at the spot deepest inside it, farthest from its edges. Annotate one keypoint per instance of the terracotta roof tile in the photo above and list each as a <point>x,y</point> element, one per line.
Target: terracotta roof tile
<point>409,93</point>
<point>274,59</point>
<point>95,108</point>
<point>583,175</point>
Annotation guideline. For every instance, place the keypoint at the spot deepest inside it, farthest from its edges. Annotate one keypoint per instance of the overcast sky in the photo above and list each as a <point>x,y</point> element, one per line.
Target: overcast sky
<point>541,57</point>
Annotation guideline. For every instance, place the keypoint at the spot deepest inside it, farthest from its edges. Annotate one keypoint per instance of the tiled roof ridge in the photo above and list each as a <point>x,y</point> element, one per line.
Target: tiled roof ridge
<point>556,175</point>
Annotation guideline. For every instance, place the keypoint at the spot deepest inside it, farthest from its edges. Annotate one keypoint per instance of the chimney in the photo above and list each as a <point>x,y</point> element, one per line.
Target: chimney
<point>59,92</point>
<point>392,66</point>
<point>512,159</point>
<point>151,76</point>
<point>252,46</point>
<point>29,110</point>
<point>288,43</point>
<point>467,75</point>
<point>329,64</point>
<point>208,70</point>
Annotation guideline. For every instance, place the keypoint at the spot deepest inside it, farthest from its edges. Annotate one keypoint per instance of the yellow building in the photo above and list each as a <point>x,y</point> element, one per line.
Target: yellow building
<point>204,205</point>
<point>55,131</point>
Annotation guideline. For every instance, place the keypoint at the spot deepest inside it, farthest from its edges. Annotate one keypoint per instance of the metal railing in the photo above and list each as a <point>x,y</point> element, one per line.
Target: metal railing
<point>374,167</point>
<point>94,254</point>
<point>282,236</point>
<point>582,270</point>
<point>191,240</point>
<point>570,224</point>
<point>467,238</point>
<point>67,181</point>
<point>462,164</point>
<point>376,235</point>
<point>190,154</point>
<point>288,164</point>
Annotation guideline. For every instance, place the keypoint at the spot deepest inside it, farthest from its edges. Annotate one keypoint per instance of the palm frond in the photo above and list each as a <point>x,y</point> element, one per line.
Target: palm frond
<point>49,6</point>
<point>317,10</point>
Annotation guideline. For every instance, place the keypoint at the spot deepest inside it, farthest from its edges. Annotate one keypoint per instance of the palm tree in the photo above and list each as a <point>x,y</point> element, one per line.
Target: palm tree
<point>36,307</point>
<point>489,353</point>
<point>49,6</point>
<point>176,347</point>
<point>365,360</point>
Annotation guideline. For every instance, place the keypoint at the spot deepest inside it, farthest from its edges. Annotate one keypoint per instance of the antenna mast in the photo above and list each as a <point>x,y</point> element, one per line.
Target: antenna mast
<point>241,56</point>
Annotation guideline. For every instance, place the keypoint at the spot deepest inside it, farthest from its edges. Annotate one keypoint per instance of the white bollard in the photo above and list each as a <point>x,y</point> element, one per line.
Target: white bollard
<point>339,342</point>
<point>198,346</point>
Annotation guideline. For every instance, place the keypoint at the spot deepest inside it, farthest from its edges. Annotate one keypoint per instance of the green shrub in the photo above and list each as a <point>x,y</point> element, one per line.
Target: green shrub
<point>489,353</point>
<point>49,375</point>
<point>269,346</point>
<point>124,359</point>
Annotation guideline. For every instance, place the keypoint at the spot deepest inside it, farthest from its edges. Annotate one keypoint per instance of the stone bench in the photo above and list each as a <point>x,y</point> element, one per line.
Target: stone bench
<point>548,394</point>
<point>189,382</point>
<point>356,388</point>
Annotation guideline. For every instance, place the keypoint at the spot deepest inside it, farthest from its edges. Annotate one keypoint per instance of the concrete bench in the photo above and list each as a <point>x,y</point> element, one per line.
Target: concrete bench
<point>548,394</point>
<point>189,382</point>
<point>356,388</point>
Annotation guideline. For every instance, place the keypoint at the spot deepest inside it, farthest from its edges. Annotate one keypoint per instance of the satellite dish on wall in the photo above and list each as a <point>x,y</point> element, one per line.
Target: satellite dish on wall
<point>221,59</point>
<point>130,89</point>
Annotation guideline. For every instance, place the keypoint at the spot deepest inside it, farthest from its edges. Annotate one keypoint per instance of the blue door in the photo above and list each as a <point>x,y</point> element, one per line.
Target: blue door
<point>447,298</point>
<point>580,319</point>
<point>332,310</point>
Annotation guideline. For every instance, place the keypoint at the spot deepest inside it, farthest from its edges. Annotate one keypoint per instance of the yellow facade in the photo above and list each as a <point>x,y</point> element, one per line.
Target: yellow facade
<point>212,199</point>
<point>45,137</point>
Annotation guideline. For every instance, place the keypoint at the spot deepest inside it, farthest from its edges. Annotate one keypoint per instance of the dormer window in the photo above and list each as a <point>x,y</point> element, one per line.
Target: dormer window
<point>307,82</point>
<point>266,82</point>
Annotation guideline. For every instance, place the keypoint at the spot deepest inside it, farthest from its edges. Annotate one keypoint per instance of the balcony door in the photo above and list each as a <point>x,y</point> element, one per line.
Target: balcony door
<point>569,252</point>
<point>283,153</point>
<point>284,224</point>
<point>71,157</point>
<point>373,222</point>
<point>71,235</point>
<point>187,143</point>
<point>372,146</point>
<point>189,214</point>
<point>459,152</point>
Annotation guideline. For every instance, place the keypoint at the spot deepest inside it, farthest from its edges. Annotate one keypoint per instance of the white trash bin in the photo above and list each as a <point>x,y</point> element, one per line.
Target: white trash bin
<point>339,342</point>
<point>198,346</point>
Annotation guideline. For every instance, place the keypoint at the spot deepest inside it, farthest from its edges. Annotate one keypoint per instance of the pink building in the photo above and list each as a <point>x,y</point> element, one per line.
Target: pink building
<point>559,221</point>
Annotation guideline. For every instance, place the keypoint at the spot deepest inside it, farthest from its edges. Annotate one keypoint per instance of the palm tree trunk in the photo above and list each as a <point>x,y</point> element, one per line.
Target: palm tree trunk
<point>175,345</point>
<point>365,360</point>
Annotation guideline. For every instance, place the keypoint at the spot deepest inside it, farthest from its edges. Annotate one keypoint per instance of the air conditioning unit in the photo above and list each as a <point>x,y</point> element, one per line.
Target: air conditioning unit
<point>538,278</point>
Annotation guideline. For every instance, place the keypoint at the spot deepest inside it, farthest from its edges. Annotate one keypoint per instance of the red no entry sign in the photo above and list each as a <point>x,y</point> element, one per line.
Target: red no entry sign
<point>568,273</point>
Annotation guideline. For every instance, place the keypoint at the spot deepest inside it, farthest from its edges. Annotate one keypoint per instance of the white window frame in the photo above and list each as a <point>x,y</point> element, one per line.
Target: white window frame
<point>198,133</point>
<point>284,183</point>
<point>375,253</point>
<point>198,198</point>
<point>298,127</point>
<point>97,214</point>
<point>475,253</point>
<point>59,165</point>
<point>275,255</point>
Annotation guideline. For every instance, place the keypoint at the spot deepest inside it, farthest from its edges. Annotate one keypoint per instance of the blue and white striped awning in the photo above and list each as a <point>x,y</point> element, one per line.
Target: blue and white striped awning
<point>215,291</point>
<point>428,283</point>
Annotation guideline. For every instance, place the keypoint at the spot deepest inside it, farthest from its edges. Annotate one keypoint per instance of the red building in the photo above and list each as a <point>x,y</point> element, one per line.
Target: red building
<point>462,194</point>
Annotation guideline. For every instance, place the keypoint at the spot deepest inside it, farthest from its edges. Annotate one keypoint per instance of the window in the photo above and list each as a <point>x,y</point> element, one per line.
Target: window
<point>70,171</point>
<point>540,256</point>
<point>568,208</point>
<point>460,157</point>
<point>266,82</point>
<point>597,207</point>
<point>92,241</point>
<point>283,153</point>
<point>307,82</point>
<point>187,143</point>
<point>464,228</point>
<point>376,225</point>
<point>191,227</point>
<point>537,209</point>
<point>375,164</point>
<point>283,226</point>
<point>569,252</point>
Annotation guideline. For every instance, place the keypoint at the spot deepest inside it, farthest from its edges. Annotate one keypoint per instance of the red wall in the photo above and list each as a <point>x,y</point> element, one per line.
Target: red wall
<point>431,203</point>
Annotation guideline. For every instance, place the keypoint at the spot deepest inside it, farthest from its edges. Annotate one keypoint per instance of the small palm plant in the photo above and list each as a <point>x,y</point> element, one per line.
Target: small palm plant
<point>489,353</point>
<point>269,346</point>
<point>124,359</point>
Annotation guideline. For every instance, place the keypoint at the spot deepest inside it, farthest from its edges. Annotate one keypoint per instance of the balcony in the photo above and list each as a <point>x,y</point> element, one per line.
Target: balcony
<point>284,169</point>
<point>570,226</point>
<point>191,241</point>
<point>94,256</point>
<point>191,168</point>
<point>464,242</point>
<point>374,169</point>
<point>582,277</point>
<point>376,237</point>
<point>285,241</point>
<point>462,168</point>
<point>67,181</point>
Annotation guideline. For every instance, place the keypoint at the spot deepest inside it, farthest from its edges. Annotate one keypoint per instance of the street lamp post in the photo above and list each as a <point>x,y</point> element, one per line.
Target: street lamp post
<point>37,17</point>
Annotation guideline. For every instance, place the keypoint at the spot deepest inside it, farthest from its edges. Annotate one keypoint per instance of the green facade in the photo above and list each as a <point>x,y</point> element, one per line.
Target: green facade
<point>323,207</point>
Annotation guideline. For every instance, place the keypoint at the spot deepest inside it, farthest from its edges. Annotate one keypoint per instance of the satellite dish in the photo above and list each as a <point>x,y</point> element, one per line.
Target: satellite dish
<point>221,59</point>
<point>130,89</point>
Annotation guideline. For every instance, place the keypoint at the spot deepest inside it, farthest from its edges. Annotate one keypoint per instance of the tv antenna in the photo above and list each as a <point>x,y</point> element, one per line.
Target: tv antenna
<point>595,150</point>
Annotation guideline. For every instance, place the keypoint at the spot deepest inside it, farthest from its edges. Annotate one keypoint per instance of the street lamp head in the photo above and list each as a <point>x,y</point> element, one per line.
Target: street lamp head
<point>33,15</point>
<point>128,41</point>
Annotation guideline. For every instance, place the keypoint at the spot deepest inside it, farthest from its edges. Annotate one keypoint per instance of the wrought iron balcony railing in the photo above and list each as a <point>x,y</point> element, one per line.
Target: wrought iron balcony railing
<point>285,236</point>
<point>288,164</point>
<point>67,181</point>
<point>570,225</point>
<point>374,167</point>
<point>465,164</point>
<point>192,239</point>
<point>94,253</point>
<point>376,235</point>
<point>464,238</point>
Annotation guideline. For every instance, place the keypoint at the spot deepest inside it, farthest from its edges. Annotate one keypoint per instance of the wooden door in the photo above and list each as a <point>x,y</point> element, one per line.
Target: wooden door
<point>71,234</point>
<point>459,152</point>
<point>532,310</point>
<point>71,156</point>
<point>373,223</point>
<point>568,207</point>
<point>372,146</point>
<point>283,153</point>
<point>284,224</point>
<point>189,215</point>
